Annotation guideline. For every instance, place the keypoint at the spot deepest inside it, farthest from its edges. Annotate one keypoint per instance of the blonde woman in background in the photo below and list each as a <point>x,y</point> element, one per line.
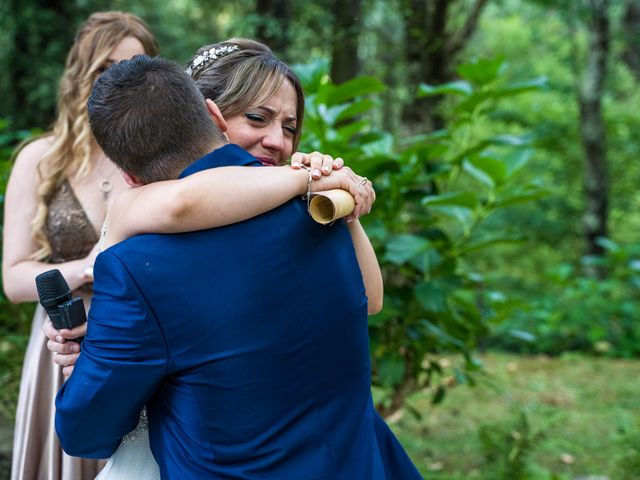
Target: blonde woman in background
<point>55,204</point>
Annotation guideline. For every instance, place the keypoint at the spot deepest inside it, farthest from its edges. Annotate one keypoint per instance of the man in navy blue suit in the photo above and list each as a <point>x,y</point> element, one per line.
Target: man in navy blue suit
<point>244,372</point>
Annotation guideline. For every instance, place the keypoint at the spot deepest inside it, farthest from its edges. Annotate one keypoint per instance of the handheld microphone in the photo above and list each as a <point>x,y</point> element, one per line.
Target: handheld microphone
<point>55,296</point>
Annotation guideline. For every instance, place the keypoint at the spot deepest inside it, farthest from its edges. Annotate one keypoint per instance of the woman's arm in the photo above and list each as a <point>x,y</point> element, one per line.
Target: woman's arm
<point>20,205</point>
<point>219,196</point>
<point>369,266</point>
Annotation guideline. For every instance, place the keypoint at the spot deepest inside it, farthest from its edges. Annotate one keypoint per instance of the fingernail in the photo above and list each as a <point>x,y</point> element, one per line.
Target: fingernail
<point>295,164</point>
<point>75,348</point>
<point>59,339</point>
<point>316,172</point>
<point>326,169</point>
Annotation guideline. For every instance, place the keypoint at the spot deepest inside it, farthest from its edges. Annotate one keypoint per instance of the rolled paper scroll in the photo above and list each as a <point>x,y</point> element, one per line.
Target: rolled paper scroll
<point>330,205</point>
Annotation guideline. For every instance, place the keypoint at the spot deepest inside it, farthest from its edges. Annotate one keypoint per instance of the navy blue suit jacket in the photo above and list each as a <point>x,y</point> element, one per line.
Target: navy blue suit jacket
<point>248,344</point>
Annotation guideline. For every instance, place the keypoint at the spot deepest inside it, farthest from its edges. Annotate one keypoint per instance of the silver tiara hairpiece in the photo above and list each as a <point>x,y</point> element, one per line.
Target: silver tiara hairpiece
<point>209,55</point>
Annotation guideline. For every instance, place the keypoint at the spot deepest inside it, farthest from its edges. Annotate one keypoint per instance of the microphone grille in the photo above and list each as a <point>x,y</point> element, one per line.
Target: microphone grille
<point>51,284</point>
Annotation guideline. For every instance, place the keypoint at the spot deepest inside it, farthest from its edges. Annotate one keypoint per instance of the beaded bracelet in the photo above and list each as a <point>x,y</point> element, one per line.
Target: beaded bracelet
<point>307,196</point>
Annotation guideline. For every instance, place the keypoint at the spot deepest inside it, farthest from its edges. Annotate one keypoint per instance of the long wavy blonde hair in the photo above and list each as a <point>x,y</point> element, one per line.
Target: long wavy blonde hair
<point>72,141</point>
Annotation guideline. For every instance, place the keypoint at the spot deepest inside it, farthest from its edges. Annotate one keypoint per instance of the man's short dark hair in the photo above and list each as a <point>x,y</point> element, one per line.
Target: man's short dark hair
<point>150,119</point>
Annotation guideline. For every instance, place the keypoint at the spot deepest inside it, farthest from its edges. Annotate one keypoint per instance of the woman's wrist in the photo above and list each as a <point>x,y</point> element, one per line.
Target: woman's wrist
<point>301,177</point>
<point>78,273</point>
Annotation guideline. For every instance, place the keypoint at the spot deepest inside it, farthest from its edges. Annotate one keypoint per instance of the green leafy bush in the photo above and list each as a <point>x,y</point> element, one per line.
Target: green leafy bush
<point>577,312</point>
<point>434,192</point>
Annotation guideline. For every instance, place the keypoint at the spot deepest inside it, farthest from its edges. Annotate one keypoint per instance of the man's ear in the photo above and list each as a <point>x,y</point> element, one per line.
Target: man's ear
<point>216,115</point>
<point>131,180</point>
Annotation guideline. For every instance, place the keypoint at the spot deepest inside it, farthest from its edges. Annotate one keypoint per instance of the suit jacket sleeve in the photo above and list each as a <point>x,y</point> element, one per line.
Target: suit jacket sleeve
<point>124,358</point>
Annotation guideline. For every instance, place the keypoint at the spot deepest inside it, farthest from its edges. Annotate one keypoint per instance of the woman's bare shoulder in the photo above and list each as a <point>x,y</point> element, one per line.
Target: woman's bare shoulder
<point>30,154</point>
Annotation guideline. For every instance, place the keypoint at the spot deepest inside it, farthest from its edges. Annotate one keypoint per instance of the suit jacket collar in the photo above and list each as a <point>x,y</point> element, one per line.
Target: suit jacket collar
<point>227,156</point>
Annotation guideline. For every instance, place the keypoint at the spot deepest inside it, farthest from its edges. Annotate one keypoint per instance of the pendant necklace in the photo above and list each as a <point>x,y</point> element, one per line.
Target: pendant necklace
<point>105,185</point>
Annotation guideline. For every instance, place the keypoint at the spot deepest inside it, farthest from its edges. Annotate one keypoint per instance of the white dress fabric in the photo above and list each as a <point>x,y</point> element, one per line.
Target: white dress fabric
<point>133,459</point>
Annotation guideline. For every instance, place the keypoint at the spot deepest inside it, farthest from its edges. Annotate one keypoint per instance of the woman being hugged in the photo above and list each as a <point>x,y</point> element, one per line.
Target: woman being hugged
<point>56,201</point>
<point>261,102</point>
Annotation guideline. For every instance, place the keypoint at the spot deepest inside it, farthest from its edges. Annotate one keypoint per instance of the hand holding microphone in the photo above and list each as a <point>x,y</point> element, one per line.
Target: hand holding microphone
<point>55,296</point>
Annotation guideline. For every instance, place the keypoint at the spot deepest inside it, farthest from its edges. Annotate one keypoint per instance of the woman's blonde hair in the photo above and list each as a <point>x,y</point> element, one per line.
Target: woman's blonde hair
<point>70,152</point>
<point>236,72</point>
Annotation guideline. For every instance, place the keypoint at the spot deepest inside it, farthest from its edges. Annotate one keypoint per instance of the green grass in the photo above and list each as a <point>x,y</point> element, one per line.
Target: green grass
<point>529,418</point>
<point>565,417</point>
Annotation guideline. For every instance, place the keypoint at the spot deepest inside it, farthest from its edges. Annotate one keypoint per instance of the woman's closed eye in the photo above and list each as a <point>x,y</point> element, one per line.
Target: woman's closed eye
<point>254,117</point>
<point>262,120</point>
<point>290,129</point>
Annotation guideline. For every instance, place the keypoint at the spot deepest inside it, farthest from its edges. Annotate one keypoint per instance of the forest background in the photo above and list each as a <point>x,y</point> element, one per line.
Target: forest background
<point>500,136</point>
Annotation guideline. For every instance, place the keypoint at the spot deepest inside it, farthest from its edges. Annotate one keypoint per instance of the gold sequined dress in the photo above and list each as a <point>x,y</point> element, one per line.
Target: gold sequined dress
<point>37,454</point>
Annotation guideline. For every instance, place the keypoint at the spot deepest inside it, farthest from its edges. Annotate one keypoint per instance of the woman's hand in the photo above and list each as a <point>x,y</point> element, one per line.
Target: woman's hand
<point>319,163</point>
<point>87,270</point>
<point>359,187</point>
<point>65,352</point>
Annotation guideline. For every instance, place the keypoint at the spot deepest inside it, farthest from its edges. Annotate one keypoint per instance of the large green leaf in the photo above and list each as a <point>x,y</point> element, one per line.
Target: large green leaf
<point>351,89</point>
<point>402,248</point>
<point>510,140</point>
<point>473,149</point>
<point>432,296</point>
<point>518,88</point>
<point>493,167</point>
<point>462,215</point>
<point>479,174</point>
<point>488,242</point>
<point>312,74</point>
<point>357,107</point>
<point>515,161</point>
<point>383,145</point>
<point>520,194</point>
<point>345,132</point>
<point>482,71</point>
<point>458,87</point>
<point>441,335</point>
<point>462,199</point>
<point>391,369</point>
<point>330,114</point>
<point>428,261</point>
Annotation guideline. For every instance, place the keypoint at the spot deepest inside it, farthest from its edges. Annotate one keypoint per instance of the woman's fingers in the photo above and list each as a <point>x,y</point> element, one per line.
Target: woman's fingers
<point>338,163</point>
<point>79,331</point>
<point>319,163</point>
<point>67,348</point>
<point>65,360</point>
<point>297,160</point>
<point>365,197</point>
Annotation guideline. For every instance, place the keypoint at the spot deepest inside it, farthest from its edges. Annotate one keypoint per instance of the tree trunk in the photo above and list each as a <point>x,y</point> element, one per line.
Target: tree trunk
<point>273,28</point>
<point>345,63</point>
<point>432,51</point>
<point>592,130</point>
<point>631,36</point>
<point>417,21</point>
